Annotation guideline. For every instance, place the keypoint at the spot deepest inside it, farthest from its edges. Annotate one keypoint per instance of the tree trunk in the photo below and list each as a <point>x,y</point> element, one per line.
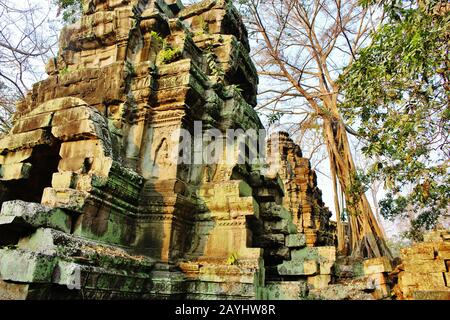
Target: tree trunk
<point>340,229</point>
<point>367,238</point>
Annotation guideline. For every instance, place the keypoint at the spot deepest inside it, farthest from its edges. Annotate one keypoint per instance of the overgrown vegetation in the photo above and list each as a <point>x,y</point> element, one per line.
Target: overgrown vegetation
<point>301,49</point>
<point>216,68</point>
<point>167,54</point>
<point>397,94</point>
<point>70,9</point>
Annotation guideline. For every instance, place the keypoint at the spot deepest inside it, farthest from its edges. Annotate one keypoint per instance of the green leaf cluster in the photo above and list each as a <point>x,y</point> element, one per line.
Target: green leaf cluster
<point>233,259</point>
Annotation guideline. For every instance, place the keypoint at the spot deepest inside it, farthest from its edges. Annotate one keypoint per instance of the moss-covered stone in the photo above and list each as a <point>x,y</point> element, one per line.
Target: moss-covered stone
<point>26,266</point>
<point>286,290</point>
<point>34,215</point>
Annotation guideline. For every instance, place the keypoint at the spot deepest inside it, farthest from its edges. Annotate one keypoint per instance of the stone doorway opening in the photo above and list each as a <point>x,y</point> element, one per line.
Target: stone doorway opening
<point>44,162</point>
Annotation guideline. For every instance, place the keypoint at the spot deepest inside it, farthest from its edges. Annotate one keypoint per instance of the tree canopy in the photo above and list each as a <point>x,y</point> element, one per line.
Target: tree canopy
<point>397,95</point>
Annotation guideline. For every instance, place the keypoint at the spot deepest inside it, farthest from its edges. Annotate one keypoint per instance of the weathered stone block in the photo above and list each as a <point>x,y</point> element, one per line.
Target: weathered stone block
<point>68,274</point>
<point>82,129</point>
<point>26,266</point>
<point>64,180</point>
<point>326,266</point>
<point>41,241</point>
<point>270,211</point>
<point>378,278</point>
<point>84,182</point>
<point>326,254</point>
<point>285,290</point>
<point>74,165</point>
<point>431,295</point>
<point>34,215</point>
<point>443,250</point>
<point>425,266</point>
<point>25,140</point>
<point>297,240</point>
<point>268,240</point>
<point>32,123</point>
<point>281,226</point>
<point>319,281</point>
<point>57,104</point>
<point>65,116</point>
<point>294,268</point>
<point>377,265</point>
<point>82,149</point>
<point>85,156</point>
<point>239,206</point>
<point>422,251</point>
<point>282,253</point>
<point>15,157</point>
<point>422,280</point>
<point>13,291</point>
<point>64,198</point>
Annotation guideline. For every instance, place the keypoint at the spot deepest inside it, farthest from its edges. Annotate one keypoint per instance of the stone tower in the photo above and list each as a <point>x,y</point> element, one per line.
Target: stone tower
<point>95,202</point>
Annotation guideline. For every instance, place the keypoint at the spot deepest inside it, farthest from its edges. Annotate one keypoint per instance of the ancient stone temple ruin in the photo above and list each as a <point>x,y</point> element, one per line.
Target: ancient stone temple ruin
<point>94,205</point>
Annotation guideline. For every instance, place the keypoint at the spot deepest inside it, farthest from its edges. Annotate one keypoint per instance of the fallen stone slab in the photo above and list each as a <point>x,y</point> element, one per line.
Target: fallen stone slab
<point>19,213</point>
